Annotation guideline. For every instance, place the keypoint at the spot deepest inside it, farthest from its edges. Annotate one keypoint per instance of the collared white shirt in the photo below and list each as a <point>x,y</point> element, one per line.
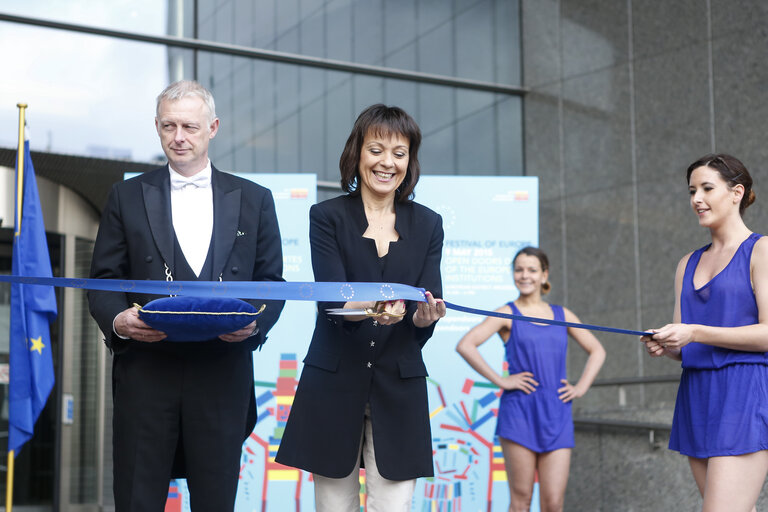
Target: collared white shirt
<point>192,214</point>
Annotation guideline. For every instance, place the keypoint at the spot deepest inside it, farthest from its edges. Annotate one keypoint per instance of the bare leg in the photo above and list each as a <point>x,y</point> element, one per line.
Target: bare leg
<point>520,463</point>
<point>734,483</point>
<point>699,470</point>
<point>553,467</point>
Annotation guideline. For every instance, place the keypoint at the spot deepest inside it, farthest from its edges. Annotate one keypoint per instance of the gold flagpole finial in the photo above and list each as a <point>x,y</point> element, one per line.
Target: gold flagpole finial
<point>20,168</point>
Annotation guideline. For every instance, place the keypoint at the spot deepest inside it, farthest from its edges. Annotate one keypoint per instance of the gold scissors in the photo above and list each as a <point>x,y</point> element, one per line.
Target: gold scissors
<point>369,312</point>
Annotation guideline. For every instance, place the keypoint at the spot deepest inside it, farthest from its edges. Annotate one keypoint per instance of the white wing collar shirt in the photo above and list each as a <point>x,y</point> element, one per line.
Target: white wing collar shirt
<point>192,214</point>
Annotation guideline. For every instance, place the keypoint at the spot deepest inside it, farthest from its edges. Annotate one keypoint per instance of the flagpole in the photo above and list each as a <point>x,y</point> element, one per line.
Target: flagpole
<point>20,167</point>
<point>9,484</point>
<point>19,196</point>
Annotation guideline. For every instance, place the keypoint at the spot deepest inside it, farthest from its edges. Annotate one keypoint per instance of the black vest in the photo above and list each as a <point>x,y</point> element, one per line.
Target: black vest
<point>181,271</point>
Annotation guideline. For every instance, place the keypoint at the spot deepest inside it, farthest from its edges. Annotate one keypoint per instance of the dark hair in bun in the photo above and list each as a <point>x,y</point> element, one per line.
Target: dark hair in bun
<point>731,170</point>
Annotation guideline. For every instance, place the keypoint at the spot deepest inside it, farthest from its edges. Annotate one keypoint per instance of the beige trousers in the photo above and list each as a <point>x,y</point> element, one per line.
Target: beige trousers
<point>343,494</point>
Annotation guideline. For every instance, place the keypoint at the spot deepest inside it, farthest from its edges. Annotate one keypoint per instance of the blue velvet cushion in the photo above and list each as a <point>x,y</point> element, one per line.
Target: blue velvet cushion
<point>197,318</point>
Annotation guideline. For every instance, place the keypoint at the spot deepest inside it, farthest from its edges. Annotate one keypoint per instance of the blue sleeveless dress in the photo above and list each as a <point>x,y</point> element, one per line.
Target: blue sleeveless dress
<point>722,401</point>
<point>540,421</point>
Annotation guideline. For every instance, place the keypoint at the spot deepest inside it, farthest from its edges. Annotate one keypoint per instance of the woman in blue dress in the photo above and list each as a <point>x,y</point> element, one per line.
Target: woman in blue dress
<point>534,423</point>
<point>720,333</point>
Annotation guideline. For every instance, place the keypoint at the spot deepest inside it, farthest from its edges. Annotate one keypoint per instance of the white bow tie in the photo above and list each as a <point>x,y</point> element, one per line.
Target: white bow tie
<point>199,180</point>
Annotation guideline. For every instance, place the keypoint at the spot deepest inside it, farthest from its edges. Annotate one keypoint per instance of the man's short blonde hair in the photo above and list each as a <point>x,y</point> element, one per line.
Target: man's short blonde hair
<point>184,88</point>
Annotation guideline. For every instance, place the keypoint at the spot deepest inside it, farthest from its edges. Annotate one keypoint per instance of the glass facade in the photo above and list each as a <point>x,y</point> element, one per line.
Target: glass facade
<point>145,16</point>
<point>300,122</point>
<point>87,94</point>
<point>474,39</point>
<point>280,117</point>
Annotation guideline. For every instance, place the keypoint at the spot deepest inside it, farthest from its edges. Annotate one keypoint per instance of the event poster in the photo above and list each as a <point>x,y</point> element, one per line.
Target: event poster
<point>265,485</point>
<point>486,220</point>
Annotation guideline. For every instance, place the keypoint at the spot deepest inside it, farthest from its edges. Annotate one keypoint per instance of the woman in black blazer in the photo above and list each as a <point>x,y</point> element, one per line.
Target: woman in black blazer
<point>362,393</point>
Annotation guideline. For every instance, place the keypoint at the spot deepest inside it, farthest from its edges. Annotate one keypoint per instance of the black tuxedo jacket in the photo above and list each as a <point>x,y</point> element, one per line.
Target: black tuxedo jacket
<point>350,364</point>
<point>136,239</point>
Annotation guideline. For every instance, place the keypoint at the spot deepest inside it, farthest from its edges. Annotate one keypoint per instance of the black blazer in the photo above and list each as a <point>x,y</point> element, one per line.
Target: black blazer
<point>350,364</point>
<point>136,237</point>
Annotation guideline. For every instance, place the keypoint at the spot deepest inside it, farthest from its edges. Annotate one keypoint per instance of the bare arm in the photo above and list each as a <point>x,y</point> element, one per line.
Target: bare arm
<point>654,346</point>
<point>478,335</point>
<point>595,360</point>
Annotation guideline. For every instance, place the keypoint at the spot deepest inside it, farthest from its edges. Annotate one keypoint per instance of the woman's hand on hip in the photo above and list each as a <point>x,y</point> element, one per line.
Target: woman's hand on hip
<point>568,392</point>
<point>523,381</point>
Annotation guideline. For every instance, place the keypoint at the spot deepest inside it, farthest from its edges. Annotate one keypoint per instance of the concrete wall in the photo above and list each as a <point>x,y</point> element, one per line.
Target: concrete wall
<point>624,95</point>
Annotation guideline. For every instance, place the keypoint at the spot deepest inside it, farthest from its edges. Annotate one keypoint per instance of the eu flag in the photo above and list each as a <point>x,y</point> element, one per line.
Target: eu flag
<point>33,307</point>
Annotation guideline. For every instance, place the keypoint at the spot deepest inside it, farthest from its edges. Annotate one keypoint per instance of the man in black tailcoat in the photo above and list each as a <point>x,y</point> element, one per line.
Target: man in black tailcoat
<point>182,406</point>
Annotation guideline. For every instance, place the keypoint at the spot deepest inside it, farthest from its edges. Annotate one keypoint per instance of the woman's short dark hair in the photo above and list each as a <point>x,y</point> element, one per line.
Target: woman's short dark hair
<point>381,120</point>
<point>731,170</point>
<point>543,260</point>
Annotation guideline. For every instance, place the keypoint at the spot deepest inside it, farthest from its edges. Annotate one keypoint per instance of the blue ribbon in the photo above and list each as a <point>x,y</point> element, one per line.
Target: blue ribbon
<point>524,318</point>
<point>278,290</point>
<point>265,290</point>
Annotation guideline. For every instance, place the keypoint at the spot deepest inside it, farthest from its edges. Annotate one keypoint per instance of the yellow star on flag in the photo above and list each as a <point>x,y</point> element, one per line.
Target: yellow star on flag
<point>37,344</point>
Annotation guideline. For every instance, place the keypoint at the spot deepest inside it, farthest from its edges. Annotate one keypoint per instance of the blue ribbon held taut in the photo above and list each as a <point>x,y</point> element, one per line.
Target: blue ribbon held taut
<point>532,319</point>
<point>279,290</point>
<point>264,290</point>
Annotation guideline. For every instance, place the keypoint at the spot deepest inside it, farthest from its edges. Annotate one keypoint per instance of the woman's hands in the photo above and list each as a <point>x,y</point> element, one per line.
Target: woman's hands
<point>429,312</point>
<point>668,340</point>
<point>388,312</point>
<point>568,392</point>
<point>396,308</point>
<point>523,381</point>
